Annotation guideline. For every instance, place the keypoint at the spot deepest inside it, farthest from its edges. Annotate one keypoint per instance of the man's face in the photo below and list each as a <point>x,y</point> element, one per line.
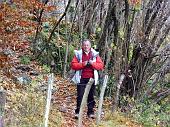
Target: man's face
<point>86,46</point>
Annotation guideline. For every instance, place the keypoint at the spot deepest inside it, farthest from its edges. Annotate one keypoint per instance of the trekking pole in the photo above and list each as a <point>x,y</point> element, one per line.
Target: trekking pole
<point>101,99</point>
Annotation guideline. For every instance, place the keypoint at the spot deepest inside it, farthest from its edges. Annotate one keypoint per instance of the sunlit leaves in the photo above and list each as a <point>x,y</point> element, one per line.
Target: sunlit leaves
<point>135,3</point>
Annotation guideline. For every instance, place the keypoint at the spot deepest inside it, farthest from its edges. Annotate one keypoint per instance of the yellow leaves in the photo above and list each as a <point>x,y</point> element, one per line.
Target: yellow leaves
<point>118,120</point>
<point>55,118</point>
<point>27,106</point>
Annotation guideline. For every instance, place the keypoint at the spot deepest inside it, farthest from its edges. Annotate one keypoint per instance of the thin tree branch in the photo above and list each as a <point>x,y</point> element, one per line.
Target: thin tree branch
<point>53,30</point>
<point>39,23</point>
<point>58,22</point>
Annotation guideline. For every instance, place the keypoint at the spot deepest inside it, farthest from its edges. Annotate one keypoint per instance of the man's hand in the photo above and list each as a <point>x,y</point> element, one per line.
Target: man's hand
<point>90,62</point>
<point>87,63</point>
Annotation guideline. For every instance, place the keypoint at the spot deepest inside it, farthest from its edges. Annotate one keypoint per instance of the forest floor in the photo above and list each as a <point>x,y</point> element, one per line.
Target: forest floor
<point>65,100</point>
<point>62,108</point>
<point>25,104</point>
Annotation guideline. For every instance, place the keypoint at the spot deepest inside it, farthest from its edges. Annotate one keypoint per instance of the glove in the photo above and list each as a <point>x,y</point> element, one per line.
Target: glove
<point>88,64</point>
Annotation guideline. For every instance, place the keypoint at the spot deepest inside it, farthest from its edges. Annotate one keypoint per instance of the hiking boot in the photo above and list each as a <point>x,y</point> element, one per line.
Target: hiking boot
<point>76,116</point>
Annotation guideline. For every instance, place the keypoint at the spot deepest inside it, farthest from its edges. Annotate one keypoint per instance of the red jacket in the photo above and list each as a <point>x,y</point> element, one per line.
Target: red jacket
<point>87,72</point>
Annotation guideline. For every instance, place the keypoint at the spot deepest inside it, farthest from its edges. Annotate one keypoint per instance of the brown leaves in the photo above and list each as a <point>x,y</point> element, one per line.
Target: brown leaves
<point>5,63</point>
<point>13,24</point>
<point>23,23</point>
<point>49,8</point>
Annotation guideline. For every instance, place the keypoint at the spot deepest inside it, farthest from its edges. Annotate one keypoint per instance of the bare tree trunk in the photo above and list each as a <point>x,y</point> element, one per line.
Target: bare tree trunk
<point>162,95</point>
<point>54,28</point>
<point>91,17</point>
<point>58,22</point>
<point>109,28</point>
<point>65,60</point>
<point>160,75</point>
<point>69,39</point>
<point>67,47</point>
<point>38,27</point>
<point>141,58</point>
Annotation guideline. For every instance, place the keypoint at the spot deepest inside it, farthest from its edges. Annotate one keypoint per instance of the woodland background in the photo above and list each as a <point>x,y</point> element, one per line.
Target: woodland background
<point>132,37</point>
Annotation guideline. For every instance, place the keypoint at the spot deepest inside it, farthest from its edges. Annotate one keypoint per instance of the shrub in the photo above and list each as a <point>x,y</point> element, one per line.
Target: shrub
<point>25,59</point>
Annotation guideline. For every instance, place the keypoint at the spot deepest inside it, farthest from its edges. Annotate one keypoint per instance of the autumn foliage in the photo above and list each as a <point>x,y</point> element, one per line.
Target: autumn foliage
<point>134,2</point>
<point>136,33</point>
<point>18,20</point>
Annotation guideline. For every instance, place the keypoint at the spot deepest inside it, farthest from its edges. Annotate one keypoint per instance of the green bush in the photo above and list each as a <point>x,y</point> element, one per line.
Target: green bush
<point>151,115</point>
<point>25,59</point>
<point>46,69</point>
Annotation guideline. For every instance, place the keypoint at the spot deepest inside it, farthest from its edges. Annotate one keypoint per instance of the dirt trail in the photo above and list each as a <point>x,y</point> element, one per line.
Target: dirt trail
<point>65,101</point>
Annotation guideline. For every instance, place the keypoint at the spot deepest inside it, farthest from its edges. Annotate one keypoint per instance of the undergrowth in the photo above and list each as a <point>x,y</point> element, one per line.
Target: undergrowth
<point>25,107</point>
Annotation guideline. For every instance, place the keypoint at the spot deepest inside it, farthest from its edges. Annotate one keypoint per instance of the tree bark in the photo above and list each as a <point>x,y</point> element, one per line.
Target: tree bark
<point>109,27</point>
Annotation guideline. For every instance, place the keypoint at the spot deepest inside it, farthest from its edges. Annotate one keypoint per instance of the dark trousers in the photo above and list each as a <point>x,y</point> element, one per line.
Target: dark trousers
<point>90,100</point>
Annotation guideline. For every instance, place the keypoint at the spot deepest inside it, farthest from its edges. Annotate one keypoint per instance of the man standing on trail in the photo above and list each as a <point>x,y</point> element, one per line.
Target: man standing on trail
<point>86,62</point>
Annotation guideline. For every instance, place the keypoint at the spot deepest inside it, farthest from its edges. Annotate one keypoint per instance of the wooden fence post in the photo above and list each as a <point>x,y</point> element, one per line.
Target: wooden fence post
<point>2,106</point>
<point>101,99</point>
<point>114,108</point>
<point>47,109</point>
<point>84,101</point>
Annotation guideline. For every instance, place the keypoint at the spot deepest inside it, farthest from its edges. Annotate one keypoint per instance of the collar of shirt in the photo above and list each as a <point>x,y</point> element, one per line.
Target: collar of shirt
<point>87,52</point>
